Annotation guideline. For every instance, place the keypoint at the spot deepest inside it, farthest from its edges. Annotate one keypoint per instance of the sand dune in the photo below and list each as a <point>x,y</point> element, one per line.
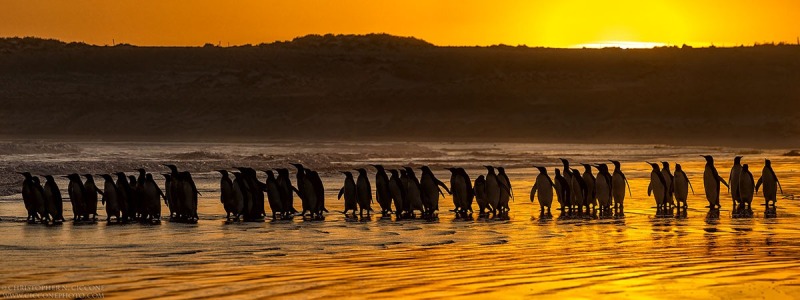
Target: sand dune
<point>388,88</point>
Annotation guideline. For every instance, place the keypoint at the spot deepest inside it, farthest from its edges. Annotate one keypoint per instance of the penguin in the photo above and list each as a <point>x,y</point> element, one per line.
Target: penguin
<point>681,186</point>
<point>77,193</point>
<point>413,192</point>
<point>492,190</point>
<point>771,184</point>
<point>567,170</point>
<point>287,191</point>
<point>133,198</point>
<point>458,189</point>
<point>746,187</point>
<point>544,187</point>
<point>506,191</point>
<point>319,191</point>
<point>240,193</point>
<point>580,192</point>
<point>363,192</point>
<point>563,191</point>
<point>188,195</point>
<point>110,199</point>
<point>398,191</point>
<point>125,192</point>
<point>34,209</point>
<point>658,187</point>
<point>54,203</point>
<point>140,193</point>
<point>603,187</point>
<point>382,193</point>
<point>349,192</point>
<point>151,199</point>
<point>305,191</point>
<point>173,193</point>
<point>733,180</point>
<point>44,206</point>
<point>91,196</point>
<point>711,180</point>
<point>274,195</point>
<point>470,190</point>
<point>254,210</point>
<point>479,190</point>
<point>590,181</point>
<point>429,190</point>
<point>227,196</point>
<point>669,180</point>
<point>618,184</point>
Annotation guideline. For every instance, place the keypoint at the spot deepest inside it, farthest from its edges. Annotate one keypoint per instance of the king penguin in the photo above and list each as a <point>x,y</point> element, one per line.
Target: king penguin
<point>590,181</point>
<point>544,187</point>
<point>28,198</point>
<point>603,186</point>
<point>711,180</point>
<point>771,184</point>
<point>470,191</point>
<point>618,184</point>
<point>563,191</point>
<point>110,199</point>
<point>746,187</point>
<point>657,187</point>
<point>382,193</point>
<point>124,192</point>
<point>669,180</point>
<point>287,191</point>
<point>76,192</point>
<point>480,195</point>
<point>151,196</point>
<point>91,196</point>
<point>349,192</point>
<point>413,192</point>
<point>492,190</point>
<point>506,191</point>
<point>44,208</point>
<point>363,192</point>
<point>579,192</point>
<point>733,180</point>
<point>319,192</point>
<point>682,185</point>
<point>274,196</point>
<point>429,190</point>
<point>227,196</point>
<point>398,191</point>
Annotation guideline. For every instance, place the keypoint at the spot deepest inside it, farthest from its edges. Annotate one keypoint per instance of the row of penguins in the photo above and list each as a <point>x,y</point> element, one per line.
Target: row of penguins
<point>137,199</point>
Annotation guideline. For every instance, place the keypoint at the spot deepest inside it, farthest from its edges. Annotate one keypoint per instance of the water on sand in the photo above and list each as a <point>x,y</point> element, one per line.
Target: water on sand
<point>639,255</point>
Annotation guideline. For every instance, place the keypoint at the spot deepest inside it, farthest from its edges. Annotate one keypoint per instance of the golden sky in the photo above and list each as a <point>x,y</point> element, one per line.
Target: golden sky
<point>553,23</point>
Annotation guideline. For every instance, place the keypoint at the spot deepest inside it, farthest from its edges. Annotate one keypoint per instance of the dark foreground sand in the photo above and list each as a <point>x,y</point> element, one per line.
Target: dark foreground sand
<point>388,88</point>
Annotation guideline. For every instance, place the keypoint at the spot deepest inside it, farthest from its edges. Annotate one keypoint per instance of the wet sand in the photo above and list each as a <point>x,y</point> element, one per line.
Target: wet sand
<point>640,255</point>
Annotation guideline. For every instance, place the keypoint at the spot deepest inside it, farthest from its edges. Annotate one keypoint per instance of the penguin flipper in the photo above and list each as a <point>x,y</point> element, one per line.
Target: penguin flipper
<point>341,192</point>
<point>533,192</point>
<point>649,189</point>
<point>758,184</point>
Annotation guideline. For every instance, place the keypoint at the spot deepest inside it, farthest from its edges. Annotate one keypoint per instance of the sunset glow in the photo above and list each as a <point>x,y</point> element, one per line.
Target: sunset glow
<point>567,23</point>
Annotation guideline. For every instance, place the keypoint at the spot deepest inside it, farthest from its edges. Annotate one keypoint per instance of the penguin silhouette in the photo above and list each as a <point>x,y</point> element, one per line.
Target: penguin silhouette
<point>382,193</point>
<point>227,196</point>
<point>567,171</point>
<point>287,191</point>
<point>349,192</point>
<point>657,187</point>
<point>480,195</point>
<point>618,184</point>
<point>603,187</point>
<point>746,187</point>
<point>459,191</point>
<point>363,192</point>
<point>492,190</point>
<point>44,206</point>
<point>151,196</point>
<point>544,187</point>
<point>274,196</point>
<point>240,193</point>
<point>305,191</point>
<point>173,192</point>
<point>682,185</point>
<point>76,192</point>
<point>319,191</point>
<point>398,191</point>
<point>188,196</point>
<point>563,191</point>
<point>590,181</point>
<point>168,193</point>
<point>35,210</point>
<point>506,191</point>
<point>142,200</point>
<point>733,180</point>
<point>579,192</point>
<point>711,181</point>
<point>125,192</point>
<point>470,191</point>
<point>110,199</point>
<point>669,180</point>
<point>254,210</point>
<point>134,204</point>
<point>413,192</point>
<point>91,196</point>
<point>53,202</point>
<point>771,184</point>
<point>430,191</point>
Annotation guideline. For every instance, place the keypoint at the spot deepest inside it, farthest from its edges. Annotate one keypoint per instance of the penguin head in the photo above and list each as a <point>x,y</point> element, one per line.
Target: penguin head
<point>678,167</point>
<point>587,167</point>
<point>737,159</point>
<point>166,175</point>
<point>501,169</point>
<point>452,170</point>
<point>361,171</point>
<point>425,169</point>
<point>709,158</point>
<point>745,167</point>
<point>346,173</point>
<point>49,177</point>
<point>601,167</point>
<point>236,174</point>
<point>106,177</point>
<point>269,173</point>
<point>767,162</point>
<point>393,172</point>
<point>26,174</point>
<point>35,179</point>
<point>616,164</point>
<point>88,177</point>
<point>298,166</point>
<point>665,164</point>
<point>148,176</point>
<point>489,168</point>
<point>378,167</point>
<point>558,172</point>
<point>223,172</point>
<point>409,170</point>
<point>141,170</point>
<point>654,165</point>
<point>565,162</point>
<point>541,169</point>
<point>172,168</point>
<point>576,173</point>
